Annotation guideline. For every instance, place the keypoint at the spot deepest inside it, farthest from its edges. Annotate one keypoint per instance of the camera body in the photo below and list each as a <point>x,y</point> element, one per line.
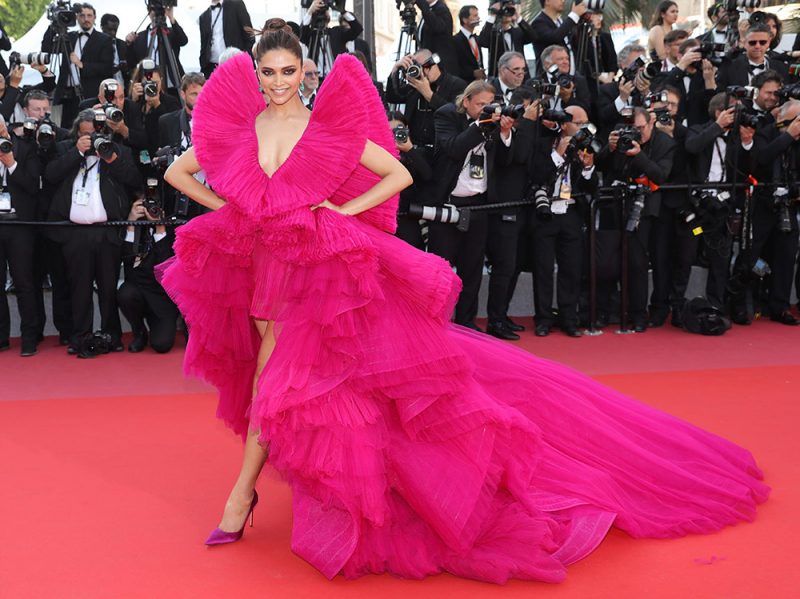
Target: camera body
<point>558,78</point>
<point>159,6</point>
<point>94,344</point>
<point>556,116</point>
<point>165,156</point>
<point>788,92</point>
<point>628,134</point>
<point>508,8</point>
<point>62,15</point>
<point>513,110</point>
<point>152,199</point>
<point>584,140</point>
<point>662,115</point>
<point>150,87</point>
<point>542,88</point>
<point>741,92</point>
<point>629,73</point>
<point>400,133</point>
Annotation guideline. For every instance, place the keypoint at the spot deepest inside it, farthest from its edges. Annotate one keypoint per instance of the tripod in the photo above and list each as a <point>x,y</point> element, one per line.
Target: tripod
<point>318,47</point>
<point>164,50</point>
<point>407,42</point>
<point>586,32</point>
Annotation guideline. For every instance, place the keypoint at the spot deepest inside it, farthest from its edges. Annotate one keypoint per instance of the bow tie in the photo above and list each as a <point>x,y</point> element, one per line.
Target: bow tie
<point>756,67</point>
<point>216,6</point>
<point>83,34</point>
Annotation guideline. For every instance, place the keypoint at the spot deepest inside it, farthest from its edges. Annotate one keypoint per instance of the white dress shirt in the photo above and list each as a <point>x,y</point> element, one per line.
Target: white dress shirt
<point>87,202</point>
<point>217,34</point>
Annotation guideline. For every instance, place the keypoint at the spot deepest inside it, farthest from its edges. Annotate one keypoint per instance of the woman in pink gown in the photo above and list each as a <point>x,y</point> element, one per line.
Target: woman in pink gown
<point>411,445</point>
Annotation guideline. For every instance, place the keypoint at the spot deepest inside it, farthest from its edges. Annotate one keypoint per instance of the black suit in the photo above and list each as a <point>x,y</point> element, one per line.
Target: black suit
<point>97,56</point>
<point>5,44</point>
<point>235,19</point>
<point>139,49</point>
<point>655,163</point>
<point>436,33</point>
<point>137,137</point>
<point>545,33</point>
<point>174,129</point>
<point>694,103</point>
<point>736,72</point>
<point>141,297</point>
<point>17,242</point>
<point>92,254</point>
<point>338,37</point>
<point>467,63</point>
<point>124,66</point>
<point>495,41</point>
<point>700,144</point>
<point>599,50</point>
<point>455,140</point>
<point>14,95</point>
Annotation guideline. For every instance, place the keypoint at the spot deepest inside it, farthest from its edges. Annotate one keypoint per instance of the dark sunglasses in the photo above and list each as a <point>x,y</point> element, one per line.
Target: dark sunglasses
<point>757,42</point>
<point>312,73</point>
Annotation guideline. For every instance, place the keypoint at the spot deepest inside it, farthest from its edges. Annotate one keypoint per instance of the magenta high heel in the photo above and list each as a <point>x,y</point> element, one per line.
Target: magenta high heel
<point>220,537</point>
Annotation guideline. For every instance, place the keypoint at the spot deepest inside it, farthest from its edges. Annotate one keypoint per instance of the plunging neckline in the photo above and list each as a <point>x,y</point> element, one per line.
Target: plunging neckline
<point>288,158</point>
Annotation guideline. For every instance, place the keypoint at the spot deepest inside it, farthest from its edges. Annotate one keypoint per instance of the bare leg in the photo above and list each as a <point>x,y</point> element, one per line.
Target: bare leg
<point>255,455</point>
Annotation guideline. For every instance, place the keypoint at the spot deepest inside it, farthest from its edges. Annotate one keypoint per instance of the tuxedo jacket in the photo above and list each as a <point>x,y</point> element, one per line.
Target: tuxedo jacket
<point>467,63</point>
<point>138,50</point>
<point>694,103</point>
<point>23,183</point>
<point>143,275</point>
<point>5,44</point>
<point>170,127</point>
<point>700,145</point>
<point>735,72</point>
<point>337,36</point>
<point>437,33</point>
<point>235,19</point>
<point>546,33</point>
<point>97,57</point>
<point>777,159</point>
<point>124,66</point>
<point>495,42</point>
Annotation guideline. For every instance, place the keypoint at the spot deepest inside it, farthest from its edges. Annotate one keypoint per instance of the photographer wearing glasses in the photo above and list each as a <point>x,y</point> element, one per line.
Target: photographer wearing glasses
<point>774,215</point>
<point>694,79</point>
<point>310,85</point>
<point>719,154</point>
<point>471,137</point>
<point>561,170</point>
<point>418,81</point>
<point>641,156</point>
<point>511,72</point>
<point>19,183</point>
<point>741,70</point>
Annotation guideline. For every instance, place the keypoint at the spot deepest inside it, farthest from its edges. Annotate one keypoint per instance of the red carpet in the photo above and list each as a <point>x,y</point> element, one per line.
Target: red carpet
<point>113,471</point>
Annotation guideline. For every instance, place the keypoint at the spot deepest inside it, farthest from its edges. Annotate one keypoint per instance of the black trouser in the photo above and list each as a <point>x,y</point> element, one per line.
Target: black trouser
<point>673,248</point>
<point>92,258</point>
<point>16,250</point>
<point>409,230</point>
<point>781,261</point>
<point>609,248</point>
<point>501,249</point>
<point>138,303</point>
<point>558,240</point>
<point>525,254</point>
<point>717,241</point>
<point>466,252</point>
<point>50,260</point>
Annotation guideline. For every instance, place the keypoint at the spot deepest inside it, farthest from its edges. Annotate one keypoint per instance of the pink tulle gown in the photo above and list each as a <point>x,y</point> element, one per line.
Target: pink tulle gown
<point>411,445</point>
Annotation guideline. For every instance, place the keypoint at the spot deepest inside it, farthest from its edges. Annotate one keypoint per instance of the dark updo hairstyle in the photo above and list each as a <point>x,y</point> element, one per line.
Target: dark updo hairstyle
<point>277,34</point>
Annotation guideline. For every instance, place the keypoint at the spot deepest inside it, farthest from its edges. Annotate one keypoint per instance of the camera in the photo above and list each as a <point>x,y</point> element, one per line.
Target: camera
<point>541,203</point>
<point>513,110</point>
<point>415,70</point>
<point>748,118</point>
<point>709,49</point>
<point>741,92</point>
<point>635,216</point>
<point>662,115</point>
<point>6,147</point>
<point>29,127</point>
<point>627,135</point>
<point>61,14</point>
<point>559,78</point>
<point>16,59</point>
<point>46,135</point>
<point>735,5</point>
<point>652,69</point>
<point>152,199</point>
<point>440,214</point>
<point>629,73</point>
<point>757,17</point>
<point>400,134</point>
<point>655,98</point>
<point>165,156</point>
<point>542,88</point>
<point>150,86</point>
<point>584,139</point>
<point>556,116</point>
<point>789,92</point>
<point>593,5</point>
<point>781,204</point>
<point>159,6</point>
<point>94,344</point>
<point>102,146</point>
<point>408,14</point>
<point>113,114</point>
<point>507,8</point>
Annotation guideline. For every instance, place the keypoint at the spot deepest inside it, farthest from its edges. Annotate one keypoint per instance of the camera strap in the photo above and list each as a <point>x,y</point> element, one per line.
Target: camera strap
<point>219,14</point>
<point>85,170</point>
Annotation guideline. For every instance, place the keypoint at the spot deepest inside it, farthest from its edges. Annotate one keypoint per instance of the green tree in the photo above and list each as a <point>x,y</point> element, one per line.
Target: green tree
<point>18,16</point>
<point>616,11</point>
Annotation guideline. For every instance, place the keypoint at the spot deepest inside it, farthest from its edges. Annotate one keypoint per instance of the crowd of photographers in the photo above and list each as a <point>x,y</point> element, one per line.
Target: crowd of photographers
<point>597,166</point>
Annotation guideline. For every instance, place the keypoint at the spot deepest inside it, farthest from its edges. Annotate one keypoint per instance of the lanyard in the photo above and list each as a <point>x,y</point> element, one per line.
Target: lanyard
<point>85,172</point>
<point>219,14</point>
<point>5,178</point>
<point>718,152</point>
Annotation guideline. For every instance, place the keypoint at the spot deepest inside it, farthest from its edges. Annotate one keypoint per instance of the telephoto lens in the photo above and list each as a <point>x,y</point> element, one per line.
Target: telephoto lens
<point>6,147</point>
<point>542,204</point>
<point>114,114</point>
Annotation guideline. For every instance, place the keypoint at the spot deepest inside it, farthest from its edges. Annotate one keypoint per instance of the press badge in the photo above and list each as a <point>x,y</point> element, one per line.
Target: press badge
<point>476,168</point>
<point>558,206</point>
<point>81,197</point>
<point>5,201</point>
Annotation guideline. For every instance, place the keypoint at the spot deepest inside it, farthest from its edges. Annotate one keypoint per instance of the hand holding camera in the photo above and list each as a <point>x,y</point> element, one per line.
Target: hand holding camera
<point>625,89</point>
<point>83,144</point>
<point>404,63</point>
<point>137,91</point>
<point>7,158</point>
<point>794,128</point>
<point>726,118</point>
<point>533,111</point>
<point>690,58</point>
<point>563,144</point>
<point>138,211</point>
<point>422,85</point>
<point>15,76</point>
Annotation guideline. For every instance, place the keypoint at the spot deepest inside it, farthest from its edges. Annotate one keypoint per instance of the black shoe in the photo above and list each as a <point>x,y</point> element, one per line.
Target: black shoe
<point>657,319</point>
<point>517,328</point>
<point>785,317</point>
<point>28,348</point>
<point>501,331</point>
<point>63,339</point>
<point>542,330</point>
<point>601,322</point>
<point>571,330</point>
<point>5,345</point>
<point>676,320</point>
<point>639,326</point>
<point>740,318</point>
<point>39,337</point>
<point>72,349</point>
<point>138,343</point>
<point>116,345</point>
<point>473,326</point>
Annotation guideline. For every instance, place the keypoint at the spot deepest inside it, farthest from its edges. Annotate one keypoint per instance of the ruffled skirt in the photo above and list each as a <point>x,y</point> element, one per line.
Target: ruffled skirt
<point>414,446</point>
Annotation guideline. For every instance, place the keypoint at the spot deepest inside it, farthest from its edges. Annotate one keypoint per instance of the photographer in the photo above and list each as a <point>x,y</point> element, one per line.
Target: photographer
<point>718,34</point>
<point>511,74</point>
<point>673,245</point>
<point>148,93</point>
<point>326,43</point>
<point>742,69</point>
<point>5,44</point>
<point>505,225</point>
<point>719,154</point>
<point>573,89</point>
<point>561,170</point>
<point>435,32</point>
<point>141,297</point>
<point>672,48</point>
<point>422,95</point>
<point>505,32</point>
<point>418,160</point>
<point>91,61</point>
<point>767,83</point>
<point>467,48</point>
<point>644,159</point>
<point>548,28</point>
<point>774,215</point>
<point>600,65</point>
<point>129,130</point>
<point>19,176</point>
<point>12,92</point>
<point>146,44</point>
<point>223,25</point>
<point>468,142</point>
<point>694,78</point>
<point>94,175</point>
<point>308,90</point>
<point>122,72</point>
<point>624,93</point>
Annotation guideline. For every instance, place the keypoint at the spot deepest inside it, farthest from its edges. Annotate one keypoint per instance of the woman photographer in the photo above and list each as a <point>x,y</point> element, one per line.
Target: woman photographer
<point>662,23</point>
